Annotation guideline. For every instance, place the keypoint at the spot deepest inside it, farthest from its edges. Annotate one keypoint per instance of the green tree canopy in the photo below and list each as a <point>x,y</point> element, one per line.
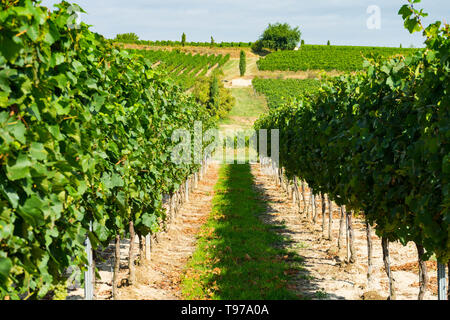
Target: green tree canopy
<point>183,39</point>
<point>281,36</point>
<point>127,36</point>
<point>242,63</point>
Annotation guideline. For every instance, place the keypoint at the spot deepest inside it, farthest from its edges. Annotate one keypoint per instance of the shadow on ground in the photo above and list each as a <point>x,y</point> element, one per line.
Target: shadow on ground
<point>243,252</point>
<point>301,281</point>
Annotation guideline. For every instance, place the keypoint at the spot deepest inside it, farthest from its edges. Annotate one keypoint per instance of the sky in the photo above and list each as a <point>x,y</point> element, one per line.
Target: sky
<point>342,22</point>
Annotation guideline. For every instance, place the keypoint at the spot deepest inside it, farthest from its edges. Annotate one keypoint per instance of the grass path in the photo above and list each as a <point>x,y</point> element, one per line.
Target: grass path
<point>249,106</point>
<point>238,256</point>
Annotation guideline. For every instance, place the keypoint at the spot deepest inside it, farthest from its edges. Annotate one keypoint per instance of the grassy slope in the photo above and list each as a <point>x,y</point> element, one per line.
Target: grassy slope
<point>249,106</point>
<point>236,256</point>
<point>231,71</point>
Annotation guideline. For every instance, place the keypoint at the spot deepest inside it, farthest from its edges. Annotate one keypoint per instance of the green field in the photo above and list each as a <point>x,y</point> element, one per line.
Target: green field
<point>236,257</point>
<point>170,43</point>
<point>184,68</point>
<point>280,91</point>
<point>310,57</point>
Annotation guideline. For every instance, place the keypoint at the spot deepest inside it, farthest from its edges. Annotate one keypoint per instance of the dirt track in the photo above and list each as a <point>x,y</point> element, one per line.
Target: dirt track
<point>159,278</point>
<point>326,275</point>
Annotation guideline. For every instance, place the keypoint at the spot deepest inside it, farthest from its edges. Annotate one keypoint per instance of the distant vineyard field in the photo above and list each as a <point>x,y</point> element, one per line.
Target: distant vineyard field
<point>170,43</point>
<point>183,67</point>
<point>311,57</point>
<point>280,91</point>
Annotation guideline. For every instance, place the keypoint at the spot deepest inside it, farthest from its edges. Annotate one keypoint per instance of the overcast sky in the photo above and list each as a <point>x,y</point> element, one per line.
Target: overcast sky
<point>343,22</point>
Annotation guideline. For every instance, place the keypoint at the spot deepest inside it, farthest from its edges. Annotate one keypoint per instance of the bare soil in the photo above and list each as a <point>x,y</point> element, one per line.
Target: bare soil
<point>158,278</point>
<point>234,52</point>
<point>326,275</point>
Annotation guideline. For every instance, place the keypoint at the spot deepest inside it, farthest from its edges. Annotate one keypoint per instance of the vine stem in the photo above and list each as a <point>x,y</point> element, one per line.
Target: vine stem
<point>131,267</point>
<point>387,267</point>
<point>423,274</point>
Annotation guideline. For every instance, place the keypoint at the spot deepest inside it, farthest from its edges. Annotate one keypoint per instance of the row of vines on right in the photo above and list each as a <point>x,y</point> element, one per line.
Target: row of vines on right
<point>377,142</point>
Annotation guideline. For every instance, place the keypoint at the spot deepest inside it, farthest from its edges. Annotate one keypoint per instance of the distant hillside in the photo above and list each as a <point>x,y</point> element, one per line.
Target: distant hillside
<point>310,57</point>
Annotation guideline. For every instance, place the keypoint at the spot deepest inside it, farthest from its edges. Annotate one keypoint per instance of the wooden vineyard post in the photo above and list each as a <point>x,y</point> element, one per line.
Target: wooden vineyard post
<point>148,246</point>
<point>313,205</point>
<point>294,191</point>
<point>330,219</point>
<point>275,174</point>
<point>174,204</point>
<point>181,194</point>
<point>116,267</point>
<point>442,282</point>
<point>168,212</point>
<point>290,190</point>
<point>201,171</point>
<point>387,267</point>
<point>347,236</point>
<point>131,255</point>
<point>94,278</point>
<point>423,274</point>
<point>279,177</point>
<point>282,180</point>
<point>262,164</point>
<point>308,212</point>
<point>203,167</point>
<point>89,273</point>
<point>351,254</point>
<point>297,194</point>
<point>308,203</point>
<point>369,255</point>
<point>323,214</point>
<point>186,187</point>
<point>141,249</point>
<point>342,227</point>
<point>303,197</point>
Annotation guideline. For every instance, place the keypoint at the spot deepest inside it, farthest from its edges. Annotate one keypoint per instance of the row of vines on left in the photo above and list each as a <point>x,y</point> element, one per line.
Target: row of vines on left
<point>85,140</point>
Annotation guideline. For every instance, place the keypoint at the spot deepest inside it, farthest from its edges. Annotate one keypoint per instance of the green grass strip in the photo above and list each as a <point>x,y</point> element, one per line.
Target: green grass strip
<point>238,256</point>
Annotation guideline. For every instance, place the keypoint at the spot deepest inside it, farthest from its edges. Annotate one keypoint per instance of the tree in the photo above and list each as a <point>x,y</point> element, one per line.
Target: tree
<point>242,63</point>
<point>328,43</point>
<point>127,37</point>
<point>214,93</point>
<point>257,46</point>
<point>280,36</point>
<point>303,42</point>
<point>183,39</point>
<point>212,42</point>
<point>210,92</point>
